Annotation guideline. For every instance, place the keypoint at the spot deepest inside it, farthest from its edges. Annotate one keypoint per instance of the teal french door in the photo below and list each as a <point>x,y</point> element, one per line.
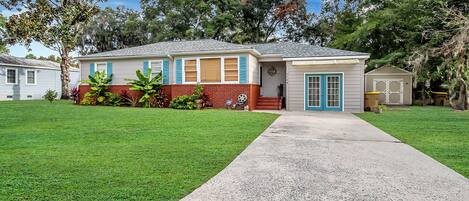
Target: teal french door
<point>323,92</point>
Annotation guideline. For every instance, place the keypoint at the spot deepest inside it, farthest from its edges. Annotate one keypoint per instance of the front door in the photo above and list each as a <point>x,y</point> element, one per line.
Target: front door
<point>323,92</point>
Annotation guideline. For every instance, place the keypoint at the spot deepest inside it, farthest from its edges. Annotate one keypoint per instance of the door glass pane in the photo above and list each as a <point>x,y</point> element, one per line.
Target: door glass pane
<point>333,91</point>
<point>314,87</point>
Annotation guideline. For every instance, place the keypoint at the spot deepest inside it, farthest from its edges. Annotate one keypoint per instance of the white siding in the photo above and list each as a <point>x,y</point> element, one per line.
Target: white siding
<point>353,84</point>
<point>45,79</point>
<point>253,70</point>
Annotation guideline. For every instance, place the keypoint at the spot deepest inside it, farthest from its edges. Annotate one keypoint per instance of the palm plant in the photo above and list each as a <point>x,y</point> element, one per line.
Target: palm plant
<point>99,85</point>
<point>146,84</point>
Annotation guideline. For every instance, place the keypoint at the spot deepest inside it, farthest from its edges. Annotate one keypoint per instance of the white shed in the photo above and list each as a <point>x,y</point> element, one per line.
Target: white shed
<point>394,83</point>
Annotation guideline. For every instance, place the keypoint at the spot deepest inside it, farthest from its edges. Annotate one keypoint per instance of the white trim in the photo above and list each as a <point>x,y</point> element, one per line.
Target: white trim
<point>326,58</point>
<point>222,69</point>
<point>389,74</point>
<point>325,62</point>
<point>313,73</point>
<point>387,91</point>
<point>96,66</point>
<point>158,60</point>
<point>27,66</point>
<point>250,51</point>
<point>16,76</point>
<point>35,77</point>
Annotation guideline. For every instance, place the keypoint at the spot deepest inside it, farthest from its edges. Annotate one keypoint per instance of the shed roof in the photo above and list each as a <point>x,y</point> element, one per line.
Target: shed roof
<point>389,70</point>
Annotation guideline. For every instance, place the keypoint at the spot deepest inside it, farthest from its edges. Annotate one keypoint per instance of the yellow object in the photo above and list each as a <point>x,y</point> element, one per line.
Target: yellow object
<point>373,93</point>
<point>439,93</point>
<point>372,100</point>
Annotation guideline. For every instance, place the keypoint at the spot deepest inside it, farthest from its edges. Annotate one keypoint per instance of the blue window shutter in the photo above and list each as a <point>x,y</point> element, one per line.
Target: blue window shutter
<point>178,71</point>
<point>109,69</point>
<point>92,69</point>
<point>243,70</point>
<point>145,67</point>
<point>165,71</point>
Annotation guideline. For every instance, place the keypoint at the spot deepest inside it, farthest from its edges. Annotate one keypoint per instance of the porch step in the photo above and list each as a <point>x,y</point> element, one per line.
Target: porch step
<point>268,103</point>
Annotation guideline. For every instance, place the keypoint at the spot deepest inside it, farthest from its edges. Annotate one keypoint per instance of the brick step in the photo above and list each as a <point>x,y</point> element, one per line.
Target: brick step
<point>268,103</point>
<point>265,107</point>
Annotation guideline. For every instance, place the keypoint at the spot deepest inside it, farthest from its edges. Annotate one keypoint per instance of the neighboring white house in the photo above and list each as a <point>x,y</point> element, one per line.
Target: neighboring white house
<point>29,79</point>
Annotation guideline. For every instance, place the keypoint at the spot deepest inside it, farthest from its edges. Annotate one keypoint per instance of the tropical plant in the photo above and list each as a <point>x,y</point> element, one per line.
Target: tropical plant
<point>129,99</point>
<point>185,102</point>
<point>147,85</point>
<point>50,95</point>
<point>75,95</point>
<point>99,85</point>
<point>159,100</point>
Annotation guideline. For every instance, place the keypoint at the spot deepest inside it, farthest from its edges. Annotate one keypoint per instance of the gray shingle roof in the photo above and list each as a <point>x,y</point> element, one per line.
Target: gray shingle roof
<point>19,61</point>
<point>173,47</point>
<point>292,50</point>
<point>286,49</point>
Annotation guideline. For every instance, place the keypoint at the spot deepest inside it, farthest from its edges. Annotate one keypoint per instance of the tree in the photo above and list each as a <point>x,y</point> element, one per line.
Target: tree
<point>3,45</point>
<point>113,29</point>
<point>450,46</point>
<point>57,24</point>
<point>269,20</point>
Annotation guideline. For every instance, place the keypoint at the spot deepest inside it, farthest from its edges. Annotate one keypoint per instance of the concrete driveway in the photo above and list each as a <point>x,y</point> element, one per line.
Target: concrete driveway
<point>331,156</point>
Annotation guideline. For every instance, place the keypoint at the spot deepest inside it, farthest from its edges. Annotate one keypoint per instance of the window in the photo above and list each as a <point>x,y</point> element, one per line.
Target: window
<point>101,67</point>
<point>190,70</point>
<point>156,67</point>
<point>11,77</point>
<point>30,77</point>
<point>210,70</point>
<point>231,69</point>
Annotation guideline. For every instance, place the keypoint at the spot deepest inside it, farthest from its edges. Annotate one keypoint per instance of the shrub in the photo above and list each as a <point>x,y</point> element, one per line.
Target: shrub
<point>99,85</point>
<point>128,99</point>
<point>113,100</point>
<point>75,95</point>
<point>183,102</point>
<point>148,85</point>
<point>159,100</point>
<point>50,95</point>
<point>198,92</point>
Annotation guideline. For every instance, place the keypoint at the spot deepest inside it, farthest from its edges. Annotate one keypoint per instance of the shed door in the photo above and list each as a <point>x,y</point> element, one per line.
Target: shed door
<point>392,90</point>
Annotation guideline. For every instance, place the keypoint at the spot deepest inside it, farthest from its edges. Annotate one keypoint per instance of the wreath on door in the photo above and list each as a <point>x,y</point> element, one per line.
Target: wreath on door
<point>272,71</point>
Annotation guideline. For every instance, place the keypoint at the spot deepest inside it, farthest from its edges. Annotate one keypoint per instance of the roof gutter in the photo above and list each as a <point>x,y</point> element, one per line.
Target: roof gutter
<point>252,51</point>
<point>327,58</point>
<point>28,66</point>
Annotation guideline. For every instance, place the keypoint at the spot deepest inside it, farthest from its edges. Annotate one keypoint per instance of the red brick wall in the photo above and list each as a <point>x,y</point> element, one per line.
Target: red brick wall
<point>218,93</point>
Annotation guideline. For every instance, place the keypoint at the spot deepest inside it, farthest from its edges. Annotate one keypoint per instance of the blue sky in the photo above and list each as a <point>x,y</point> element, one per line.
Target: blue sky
<point>39,50</point>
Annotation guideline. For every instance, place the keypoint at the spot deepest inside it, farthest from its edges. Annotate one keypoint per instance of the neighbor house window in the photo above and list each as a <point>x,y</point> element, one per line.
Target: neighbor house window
<point>101,67</point>
<point>190,70</point>
<point>12,76</point>
<point>156,67</point>
<point>30,77</point>
<point>210,70</point>
<point>231,69</point>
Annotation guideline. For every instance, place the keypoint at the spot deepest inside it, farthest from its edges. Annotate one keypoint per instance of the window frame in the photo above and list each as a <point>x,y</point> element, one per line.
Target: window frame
<point>157,60</point>
<point>222,69</point>
<point>35,77</point>
<point>16,76</point>
<point>96,67</point>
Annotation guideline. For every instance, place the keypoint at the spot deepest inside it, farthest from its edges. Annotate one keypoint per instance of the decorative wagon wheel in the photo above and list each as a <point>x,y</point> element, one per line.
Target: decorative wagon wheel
<point>242,99</point>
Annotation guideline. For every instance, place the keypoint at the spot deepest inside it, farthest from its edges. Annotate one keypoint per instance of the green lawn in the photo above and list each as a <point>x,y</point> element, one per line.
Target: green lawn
<point>439,132</point>
<point>62,151</point>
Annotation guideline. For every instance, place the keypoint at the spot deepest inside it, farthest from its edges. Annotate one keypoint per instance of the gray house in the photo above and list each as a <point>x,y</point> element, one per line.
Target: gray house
<point>29,79</point>
<point>287,75</point>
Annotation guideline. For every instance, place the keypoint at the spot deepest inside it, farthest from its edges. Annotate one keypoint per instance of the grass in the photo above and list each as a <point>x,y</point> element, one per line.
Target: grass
<point>438,132</point>
<point>61,151</point>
